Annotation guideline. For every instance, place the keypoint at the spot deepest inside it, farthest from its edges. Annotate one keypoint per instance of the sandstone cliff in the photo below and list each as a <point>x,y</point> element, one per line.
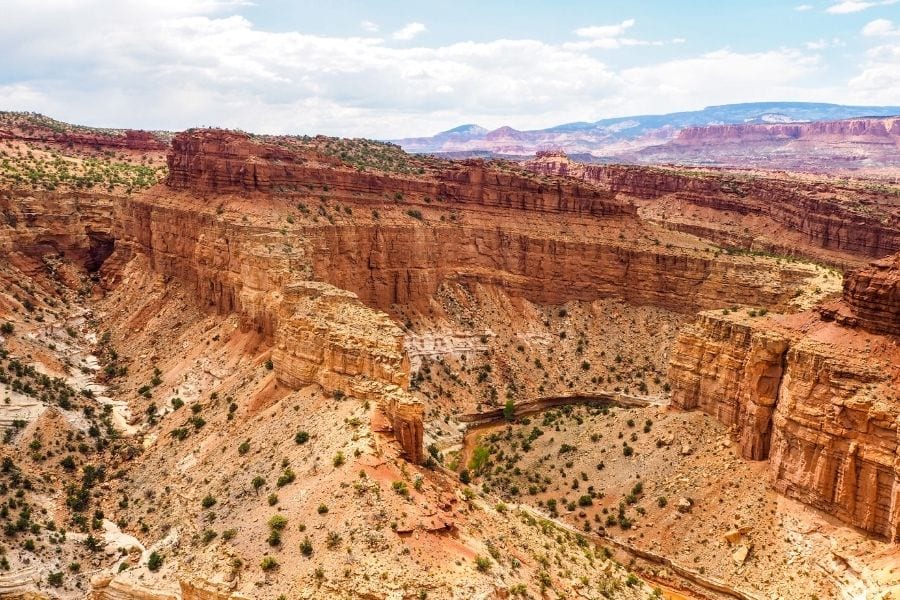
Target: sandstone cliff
<point>815,397</point>
<point>850,145</point>
<point>886,130</point>
<point>854,220</point>
<point>34,128</point>
<point>873,295</point>
<point>218,161</point>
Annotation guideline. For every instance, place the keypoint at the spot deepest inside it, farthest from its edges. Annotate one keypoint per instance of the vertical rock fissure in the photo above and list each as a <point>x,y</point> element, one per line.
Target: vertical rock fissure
<point>766,442</point>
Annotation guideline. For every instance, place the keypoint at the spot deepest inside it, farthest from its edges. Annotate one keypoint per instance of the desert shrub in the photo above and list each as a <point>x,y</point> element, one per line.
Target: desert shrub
<point>155,561</point>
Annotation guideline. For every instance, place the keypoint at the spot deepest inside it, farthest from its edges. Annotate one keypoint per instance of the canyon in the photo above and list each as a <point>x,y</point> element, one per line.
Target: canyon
<point>299,327</point>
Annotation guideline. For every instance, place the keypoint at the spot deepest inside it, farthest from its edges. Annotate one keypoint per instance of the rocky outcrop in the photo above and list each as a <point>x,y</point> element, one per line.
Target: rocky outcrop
<point>731,370</point>
<point>326,336</point>
<point>861,220</point>
<point>817,399</point>
<point>873,295</point>
<point>22,584</point>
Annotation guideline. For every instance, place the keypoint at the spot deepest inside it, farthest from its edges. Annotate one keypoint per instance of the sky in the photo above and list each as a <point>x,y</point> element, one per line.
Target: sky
<point>396,68</point>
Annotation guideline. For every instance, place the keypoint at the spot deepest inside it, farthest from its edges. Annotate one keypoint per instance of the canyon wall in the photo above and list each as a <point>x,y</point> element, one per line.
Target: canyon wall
<point>221,162</point>
<point>71,224</point>
<point>815,397</point>
<point>872,130</point>
<point>861,220</point>
<point>387,265</point>
<point>730,369</point>
<point>233,262</point>
<point>873,295</point>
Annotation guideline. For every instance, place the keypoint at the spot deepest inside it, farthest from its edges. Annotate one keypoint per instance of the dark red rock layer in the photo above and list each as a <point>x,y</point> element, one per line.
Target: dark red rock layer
<point>218,161</point>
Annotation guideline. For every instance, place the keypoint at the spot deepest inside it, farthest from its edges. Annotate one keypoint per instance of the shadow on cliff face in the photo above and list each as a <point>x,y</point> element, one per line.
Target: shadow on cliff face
<point>100,246</point>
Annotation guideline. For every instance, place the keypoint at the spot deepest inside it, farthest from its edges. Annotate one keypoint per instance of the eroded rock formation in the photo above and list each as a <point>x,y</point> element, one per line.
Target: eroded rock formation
<point>326,336</point>
<point>731,370</point>
<point>37,129</point>
<point>854,219</point>
<point>817,398</point>
<point>218,161</point>
<point>873,295</point>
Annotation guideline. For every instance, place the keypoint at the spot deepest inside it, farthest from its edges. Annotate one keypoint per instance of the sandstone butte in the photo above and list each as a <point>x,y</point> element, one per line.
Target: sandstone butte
<point>813,392</point>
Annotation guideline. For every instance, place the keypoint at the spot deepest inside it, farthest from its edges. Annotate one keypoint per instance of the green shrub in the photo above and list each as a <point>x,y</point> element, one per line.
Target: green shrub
<point>306,547</point>
<point>278,522</point>
<point>482,563</point>
<point>155,561</point>
<point>286,477</point>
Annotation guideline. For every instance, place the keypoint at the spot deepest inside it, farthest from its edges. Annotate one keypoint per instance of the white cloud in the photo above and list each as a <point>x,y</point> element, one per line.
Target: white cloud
<point>409,31</point>
<point>853,6</point>
<point>609,37</point>
<point>822,44</point>
<point>879,80</point>
<point>849,6</point>
<point>605,31</point>
<point>803,7</point>
<point>737,77</point>
<point>369,26</point>
<point>173,64</point>
<point>879,28</point>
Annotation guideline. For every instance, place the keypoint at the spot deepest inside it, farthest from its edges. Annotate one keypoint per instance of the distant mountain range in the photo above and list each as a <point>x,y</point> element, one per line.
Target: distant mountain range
<point>630,138</point>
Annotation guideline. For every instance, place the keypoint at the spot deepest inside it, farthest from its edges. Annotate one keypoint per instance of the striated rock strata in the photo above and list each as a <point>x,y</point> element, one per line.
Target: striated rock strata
<point>217,162</point>
<point>326,336</point>
<point>851,219</point>
<point>818,399</point>
<point>873,295</point>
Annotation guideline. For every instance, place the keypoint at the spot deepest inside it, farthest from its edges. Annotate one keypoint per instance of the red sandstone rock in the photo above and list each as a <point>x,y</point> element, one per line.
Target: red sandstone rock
<point>130,139</point>
<point>218,161</point>
<point>810,396</point>
<point>826,214</point>
<point>873,295</point>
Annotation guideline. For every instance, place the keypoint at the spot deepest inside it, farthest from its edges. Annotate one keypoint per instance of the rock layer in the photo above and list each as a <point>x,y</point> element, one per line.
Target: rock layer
<point>326,336</point>
<point>730,370</point>
<point>217,161</point>
<point>873,295</point>
<point>825,415</point>
<point>825,214</point>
